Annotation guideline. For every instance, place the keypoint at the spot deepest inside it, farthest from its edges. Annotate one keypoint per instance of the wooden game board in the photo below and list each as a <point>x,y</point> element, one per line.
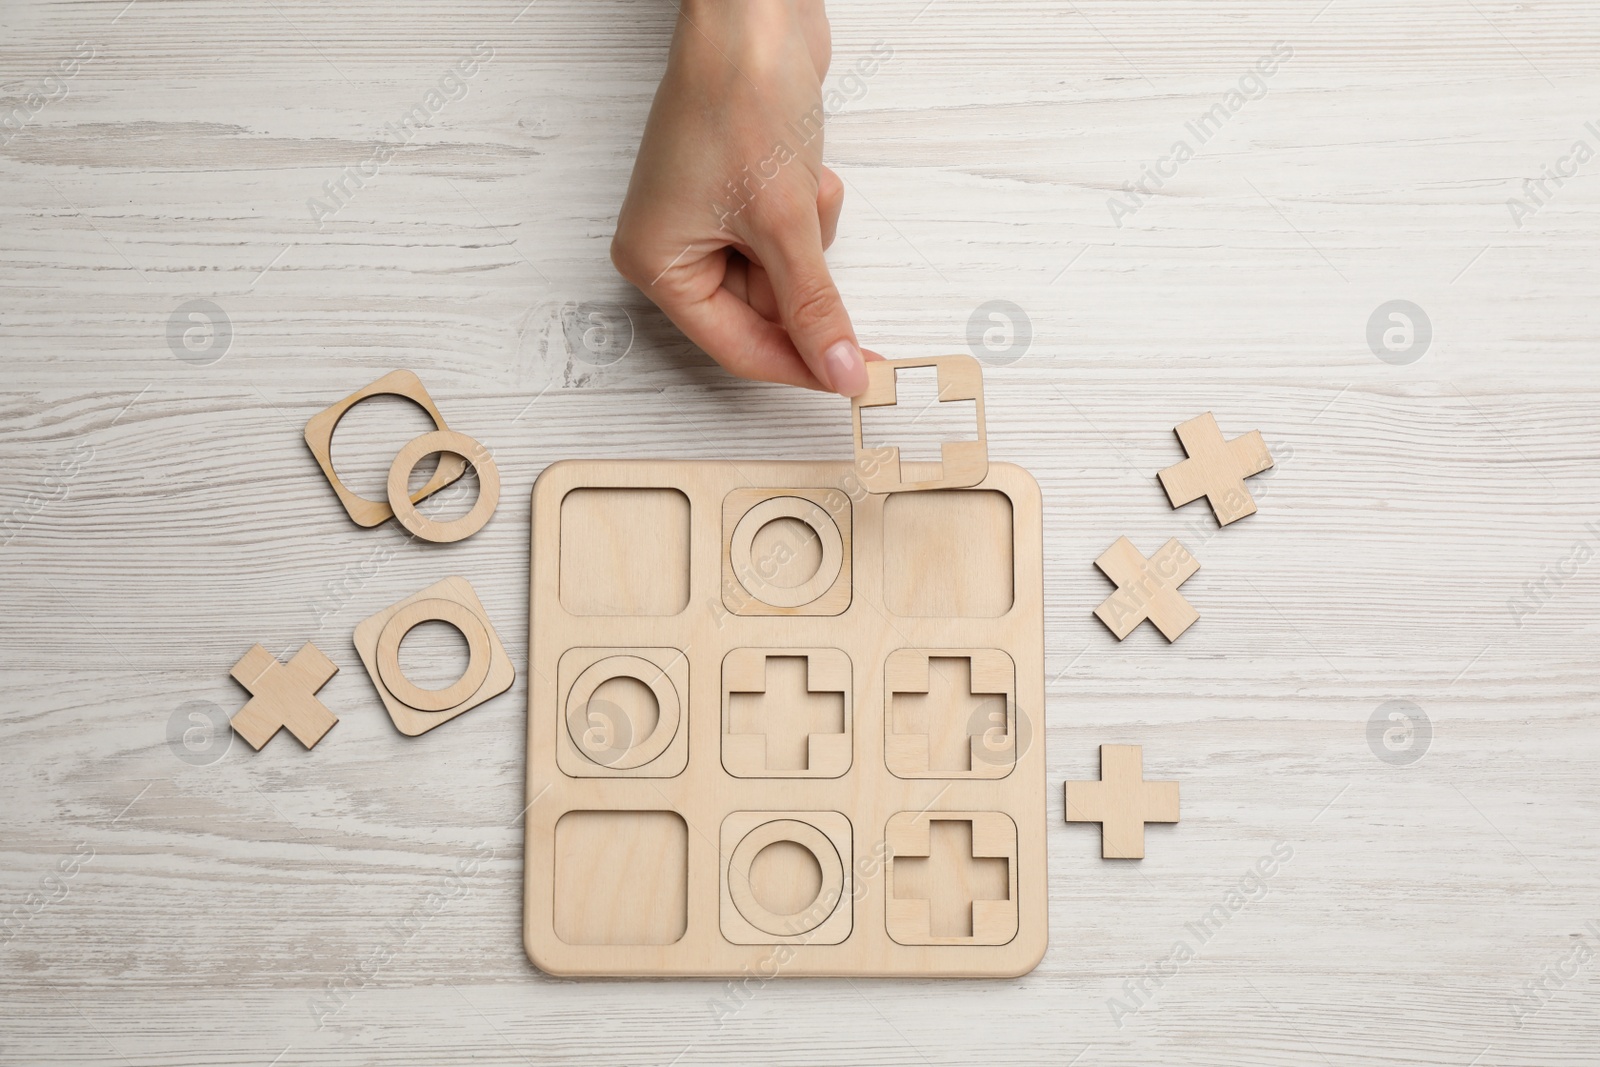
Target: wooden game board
<point>717,781</point>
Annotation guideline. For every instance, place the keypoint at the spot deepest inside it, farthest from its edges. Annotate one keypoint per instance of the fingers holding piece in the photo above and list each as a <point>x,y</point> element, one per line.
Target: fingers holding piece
<point>830,201</point>
<point>735,335</point>
<point>811,307</point>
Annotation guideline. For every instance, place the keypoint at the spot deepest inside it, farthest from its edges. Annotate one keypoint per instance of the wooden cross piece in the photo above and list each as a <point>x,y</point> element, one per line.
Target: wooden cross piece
<point>1122,802</point>
<point>1216,469</point>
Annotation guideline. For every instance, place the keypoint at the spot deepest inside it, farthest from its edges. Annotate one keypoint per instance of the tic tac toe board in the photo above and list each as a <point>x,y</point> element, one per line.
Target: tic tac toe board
<point>778,725</point>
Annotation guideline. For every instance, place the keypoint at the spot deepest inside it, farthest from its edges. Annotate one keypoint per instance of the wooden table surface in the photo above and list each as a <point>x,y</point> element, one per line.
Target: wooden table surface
<point>1428,535</point>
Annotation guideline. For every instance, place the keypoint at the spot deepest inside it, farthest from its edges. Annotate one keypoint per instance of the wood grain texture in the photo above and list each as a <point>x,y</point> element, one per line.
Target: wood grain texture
<point>1420,538</point>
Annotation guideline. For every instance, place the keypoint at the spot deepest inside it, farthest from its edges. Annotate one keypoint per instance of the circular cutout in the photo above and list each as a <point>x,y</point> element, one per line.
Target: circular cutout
<point>785,878</point>
<point>601,725</point>
<point>759,574</point>
<point>794,549</point>
<point>433,610</point>
<point>744,878</point>
<point>628,705</point>
<point>433,654</point>
<point>455,443</point>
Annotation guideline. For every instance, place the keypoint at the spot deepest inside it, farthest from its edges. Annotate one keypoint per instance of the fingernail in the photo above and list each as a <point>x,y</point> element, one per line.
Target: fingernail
<point>846,373</point>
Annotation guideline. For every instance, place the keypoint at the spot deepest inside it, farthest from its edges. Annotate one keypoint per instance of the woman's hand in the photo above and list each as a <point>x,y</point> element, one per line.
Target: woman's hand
<point>730,207</point>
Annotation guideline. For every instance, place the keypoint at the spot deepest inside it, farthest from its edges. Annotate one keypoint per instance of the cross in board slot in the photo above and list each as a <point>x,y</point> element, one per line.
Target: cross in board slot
<point>950,713</point>
<point>787,723</point>
<point>951,879</point>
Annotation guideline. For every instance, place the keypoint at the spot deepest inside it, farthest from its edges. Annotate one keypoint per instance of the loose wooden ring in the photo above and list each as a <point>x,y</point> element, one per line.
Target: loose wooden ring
<point>319,438</point>
<point>813,841</point>
<point>450,442</point>
<point>402,622</point>
<point>741,550</point>
<point>668,711</point>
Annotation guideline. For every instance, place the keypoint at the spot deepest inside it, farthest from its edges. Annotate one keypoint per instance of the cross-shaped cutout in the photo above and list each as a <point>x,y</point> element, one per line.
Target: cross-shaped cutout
<point>1147,589</point>
<point>951,713</point>
<point>919,422</point>
<point>948,713</point>
<point>939,412</point>
<point>1216,469</point>
<point>283,695</point>
<point>787,714</point>
<point>950,878</point>
<point>1122,802</point>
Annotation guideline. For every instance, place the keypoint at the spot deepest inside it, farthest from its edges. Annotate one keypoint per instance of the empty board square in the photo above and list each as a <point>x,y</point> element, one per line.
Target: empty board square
<point>621,877</point>
<point>624,551</point>
<point>948,553</point>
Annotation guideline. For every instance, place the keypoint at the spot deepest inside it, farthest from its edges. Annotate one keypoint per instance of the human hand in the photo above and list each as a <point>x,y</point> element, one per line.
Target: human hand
<point>730,208</point>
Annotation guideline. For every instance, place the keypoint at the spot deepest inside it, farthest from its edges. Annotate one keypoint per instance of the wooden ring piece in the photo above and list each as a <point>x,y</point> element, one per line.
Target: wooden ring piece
<point>668,710</point>
<point>319,438</point>
<point>812,840</point>
<point>407,618</point>
<point>741,547</point>
<point>450,442</point>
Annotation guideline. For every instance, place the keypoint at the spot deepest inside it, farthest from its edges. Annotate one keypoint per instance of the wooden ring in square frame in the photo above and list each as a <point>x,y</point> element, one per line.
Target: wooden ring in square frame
<point>319,438</point>
<point>449,442</point>
<point>741,551</point>
<point>408,618</point>
<point>669,709</point>
<point>807,837</point>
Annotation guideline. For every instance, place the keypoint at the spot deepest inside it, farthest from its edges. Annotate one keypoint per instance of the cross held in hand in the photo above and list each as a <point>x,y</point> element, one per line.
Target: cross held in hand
<point>1216,469</point>
<point>1147,589</point>
<point>283,695</point>
<point>1122,802</point>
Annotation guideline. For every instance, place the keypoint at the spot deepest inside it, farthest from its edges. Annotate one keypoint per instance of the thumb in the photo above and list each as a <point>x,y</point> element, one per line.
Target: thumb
<point>810,306</point>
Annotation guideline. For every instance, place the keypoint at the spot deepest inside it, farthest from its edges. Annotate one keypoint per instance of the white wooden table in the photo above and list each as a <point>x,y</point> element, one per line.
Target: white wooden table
<point>162,513</point>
